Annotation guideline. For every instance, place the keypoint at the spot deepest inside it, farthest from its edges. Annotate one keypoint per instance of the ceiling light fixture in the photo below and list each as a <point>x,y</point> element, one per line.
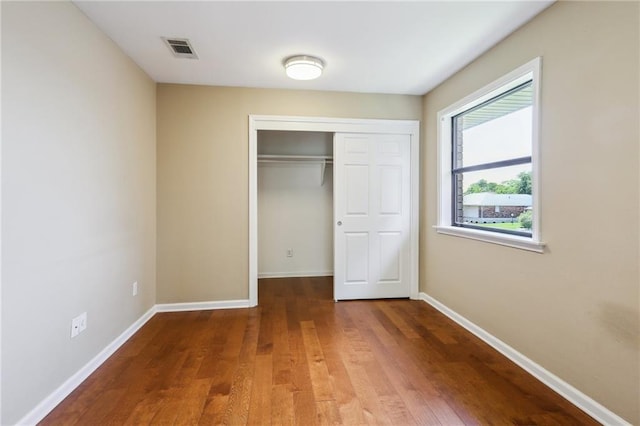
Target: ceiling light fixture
<point>303,67</point>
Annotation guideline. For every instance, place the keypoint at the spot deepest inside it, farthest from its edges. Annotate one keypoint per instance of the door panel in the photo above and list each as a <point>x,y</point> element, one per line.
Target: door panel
<point>357,145</point>
<point>372,214</point>
<point>390,254</point>
<point>357,257</point>
<point>357,187</point>
<point>390,190</point>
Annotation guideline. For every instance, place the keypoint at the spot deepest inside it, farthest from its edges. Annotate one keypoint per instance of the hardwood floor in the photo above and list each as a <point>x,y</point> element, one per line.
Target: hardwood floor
<point>302,359</point>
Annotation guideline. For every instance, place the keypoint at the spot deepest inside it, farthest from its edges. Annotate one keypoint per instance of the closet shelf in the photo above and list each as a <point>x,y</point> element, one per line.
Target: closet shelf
<point>321,160</point>
<point>264,158</point>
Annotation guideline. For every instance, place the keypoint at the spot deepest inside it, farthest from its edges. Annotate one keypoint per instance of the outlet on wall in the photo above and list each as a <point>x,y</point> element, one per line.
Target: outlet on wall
<point>289,252</point>
<point>134,288</point>
<point>78,324</point>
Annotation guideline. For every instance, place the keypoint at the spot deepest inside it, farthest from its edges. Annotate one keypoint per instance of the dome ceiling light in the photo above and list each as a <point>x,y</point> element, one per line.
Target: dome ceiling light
<point>303,67</point>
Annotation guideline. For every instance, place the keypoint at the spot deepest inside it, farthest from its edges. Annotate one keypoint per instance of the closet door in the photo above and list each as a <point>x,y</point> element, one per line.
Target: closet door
<point>372,229</point>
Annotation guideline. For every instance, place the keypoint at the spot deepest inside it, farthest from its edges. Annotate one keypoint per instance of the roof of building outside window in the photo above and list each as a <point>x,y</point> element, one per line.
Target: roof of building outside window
<point>492,199</point>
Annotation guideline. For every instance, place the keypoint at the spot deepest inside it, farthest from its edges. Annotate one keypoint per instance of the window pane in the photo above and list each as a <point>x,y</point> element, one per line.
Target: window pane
<point>497,198</point>
<point>497,130</point>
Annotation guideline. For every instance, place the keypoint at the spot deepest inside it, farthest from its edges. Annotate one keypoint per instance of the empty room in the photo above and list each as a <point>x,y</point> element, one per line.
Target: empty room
<point>320,212</point>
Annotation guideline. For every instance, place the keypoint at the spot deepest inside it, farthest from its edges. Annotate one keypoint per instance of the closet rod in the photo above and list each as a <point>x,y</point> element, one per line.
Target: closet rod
<point>294,158</point>
<point>321,160</point>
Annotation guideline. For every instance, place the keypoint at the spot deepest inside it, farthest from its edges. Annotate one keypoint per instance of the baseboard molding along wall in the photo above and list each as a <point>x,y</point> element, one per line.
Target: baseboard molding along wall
<point>56,397</point>
<point>202,306</point>
<point>573,395</point>
<point>294,274</point>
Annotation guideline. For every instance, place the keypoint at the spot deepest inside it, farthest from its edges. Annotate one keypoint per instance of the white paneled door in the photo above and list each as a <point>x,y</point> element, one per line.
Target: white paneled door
<point>372,203</point>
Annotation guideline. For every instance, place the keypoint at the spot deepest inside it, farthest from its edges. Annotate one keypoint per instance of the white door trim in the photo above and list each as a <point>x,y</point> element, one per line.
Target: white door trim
<point>342,125</point>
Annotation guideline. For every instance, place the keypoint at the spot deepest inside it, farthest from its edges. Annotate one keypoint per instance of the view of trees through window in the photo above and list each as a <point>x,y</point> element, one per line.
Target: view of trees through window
<point>522,185</point>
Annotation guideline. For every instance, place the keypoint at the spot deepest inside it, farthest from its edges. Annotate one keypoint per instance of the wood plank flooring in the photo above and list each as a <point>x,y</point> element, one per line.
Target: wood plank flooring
<point>301,359</point>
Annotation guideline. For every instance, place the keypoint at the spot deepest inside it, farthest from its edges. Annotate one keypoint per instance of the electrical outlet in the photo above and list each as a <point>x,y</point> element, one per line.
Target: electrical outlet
<point>78,324</point>
<point>289,252</point>
<point>83,322</point>
<point>134,287</point>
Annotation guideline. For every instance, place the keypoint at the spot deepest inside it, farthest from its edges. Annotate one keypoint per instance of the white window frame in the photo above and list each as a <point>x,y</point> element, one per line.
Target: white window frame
<point>528,71</point>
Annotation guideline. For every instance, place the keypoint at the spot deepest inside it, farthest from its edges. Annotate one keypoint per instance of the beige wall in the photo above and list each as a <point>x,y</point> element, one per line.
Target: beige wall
<point>573,309</point>
<point>78,196</point>
<point>203,177</point>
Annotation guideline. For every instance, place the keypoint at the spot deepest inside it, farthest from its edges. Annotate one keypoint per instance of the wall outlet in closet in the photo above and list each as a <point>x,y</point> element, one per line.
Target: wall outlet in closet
<point>289,252</point>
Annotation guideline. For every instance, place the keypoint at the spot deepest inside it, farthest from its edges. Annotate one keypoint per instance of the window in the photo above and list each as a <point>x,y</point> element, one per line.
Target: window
<point>488,163</point>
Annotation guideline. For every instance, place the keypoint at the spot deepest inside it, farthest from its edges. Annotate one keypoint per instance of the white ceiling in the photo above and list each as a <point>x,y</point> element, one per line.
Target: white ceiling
<point>377,47</point>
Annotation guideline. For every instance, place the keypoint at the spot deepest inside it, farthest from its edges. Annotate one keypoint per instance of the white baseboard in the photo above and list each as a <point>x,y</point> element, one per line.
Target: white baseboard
<point>202,306</point>
<point>573,395</point>
<point>50,402</point>
<point>56,397</point>
<point>294,274</point>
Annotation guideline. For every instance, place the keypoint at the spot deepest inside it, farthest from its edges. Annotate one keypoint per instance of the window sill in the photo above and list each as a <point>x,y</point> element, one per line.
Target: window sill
<point>514,241</point>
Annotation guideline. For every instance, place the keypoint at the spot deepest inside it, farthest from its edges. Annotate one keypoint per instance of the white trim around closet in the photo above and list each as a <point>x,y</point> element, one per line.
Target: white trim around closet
<point>333,125</point>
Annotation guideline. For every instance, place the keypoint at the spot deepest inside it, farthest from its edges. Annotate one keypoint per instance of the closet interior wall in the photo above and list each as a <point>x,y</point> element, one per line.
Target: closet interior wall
<point>295,204</point>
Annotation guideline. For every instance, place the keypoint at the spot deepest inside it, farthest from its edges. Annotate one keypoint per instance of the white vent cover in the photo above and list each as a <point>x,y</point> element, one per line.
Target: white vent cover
<point>180,47</point>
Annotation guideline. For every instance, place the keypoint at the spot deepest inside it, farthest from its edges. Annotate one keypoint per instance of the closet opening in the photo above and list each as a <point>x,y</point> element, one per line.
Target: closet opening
<point>371,163</point>
<point>295,204</point>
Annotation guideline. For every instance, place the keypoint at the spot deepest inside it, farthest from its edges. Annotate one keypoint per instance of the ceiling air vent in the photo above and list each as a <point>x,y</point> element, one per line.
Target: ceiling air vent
<point>180,47</point>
